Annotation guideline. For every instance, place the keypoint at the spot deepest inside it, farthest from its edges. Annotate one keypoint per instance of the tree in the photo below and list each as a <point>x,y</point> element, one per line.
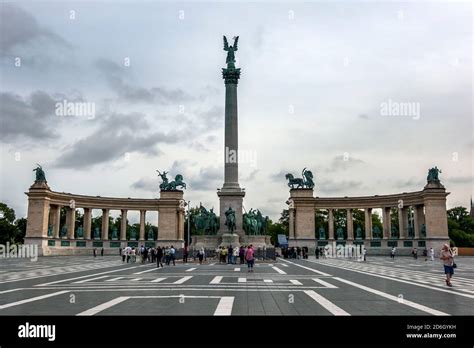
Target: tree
<point>460,227</point>
<point>285,219</point>
<point>457,213</point>
<point>11,231</point>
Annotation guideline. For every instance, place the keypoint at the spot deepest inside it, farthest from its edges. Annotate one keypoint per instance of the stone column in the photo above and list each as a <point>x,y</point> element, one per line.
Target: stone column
<point>105,224</point>
<point>418,219</point>
<point>142,225</point>
<point>38,210</point>
<point>403,223</point>
<point>71,222</point>
<point>231,142</point>
<point>291,220</point>
<point>331,224</point>
<point>435,214</point>
<point>56,219</point>
<point>350,225</point>
<point>123,225</point>
<point>368,223</point>
<point>387,224</point>
<point>87,223</point>
<point>304,217</point>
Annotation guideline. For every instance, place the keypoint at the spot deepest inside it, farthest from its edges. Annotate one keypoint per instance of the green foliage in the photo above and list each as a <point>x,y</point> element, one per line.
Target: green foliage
<point>460,227</point>
<point>10,230</point>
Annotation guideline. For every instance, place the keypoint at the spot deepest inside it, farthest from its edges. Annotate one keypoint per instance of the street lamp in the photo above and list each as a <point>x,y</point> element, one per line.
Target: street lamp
<point>189,222</point>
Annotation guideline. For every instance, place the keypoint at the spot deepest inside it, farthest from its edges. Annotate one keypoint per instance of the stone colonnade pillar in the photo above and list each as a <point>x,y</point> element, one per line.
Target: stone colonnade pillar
<point>331,224</point>
<point>368,223</point>
<point>105,224</point>
<point>387,224</point>
<point>70,222</point>
<point>87,223</point>
<point>350,225</point>
<point>142,224</point>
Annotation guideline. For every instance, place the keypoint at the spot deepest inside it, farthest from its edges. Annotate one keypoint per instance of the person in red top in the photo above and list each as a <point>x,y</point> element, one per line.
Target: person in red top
<point>249,258</point>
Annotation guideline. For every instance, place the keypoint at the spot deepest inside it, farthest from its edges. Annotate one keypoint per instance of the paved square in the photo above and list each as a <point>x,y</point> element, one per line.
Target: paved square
<point>105,286</point>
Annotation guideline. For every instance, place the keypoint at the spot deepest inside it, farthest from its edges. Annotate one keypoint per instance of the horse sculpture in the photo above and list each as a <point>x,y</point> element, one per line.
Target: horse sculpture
<point>305,181</point>
<point>171,185</point>
<point>292,181</point>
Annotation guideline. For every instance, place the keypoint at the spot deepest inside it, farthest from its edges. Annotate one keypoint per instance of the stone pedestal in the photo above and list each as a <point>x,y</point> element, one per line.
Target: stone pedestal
<point>170,226</point>
<point>303,220</point>
<point>230,239</point>
<point>233,199</point>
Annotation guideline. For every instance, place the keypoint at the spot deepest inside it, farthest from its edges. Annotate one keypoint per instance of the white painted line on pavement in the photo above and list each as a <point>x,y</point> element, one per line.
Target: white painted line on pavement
<point>225,306</point>
<point>148,270</point>
<point>242,280</point>
<point>86,276</point>
<point>135,279</point>
<point>401,281</point>
<point>268,281</point>
<point>295,282</point>
<point>190,270</point>
<point>216,280</point>
<point>284,265</point>
<point>308,268</point>
<point>326,284</point>
<point>328,305</point>
<point>114,279</point>
<point>11,290</point>
<point>103,306</point>
<point>90,279</point>
<point>237,269</point>
<point>279,270</point>
<point>393,298</point>
<point>17,303</point>
<point>157,280</point>
<point>182,280</point>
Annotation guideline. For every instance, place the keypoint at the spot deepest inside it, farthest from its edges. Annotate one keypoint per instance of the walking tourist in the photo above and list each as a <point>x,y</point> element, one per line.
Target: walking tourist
<point>235,255</point>
<point>201,255</point>
<point>431,254</point>
<point>230,254</point>
<point>185,254</point>
<point>448,263</point>
<point>95,252</point>
<point>102,252</point>
<point>124,254</point>
<point>159,257</point>
<point>173,255</point>
<point>242,254</point>
<point>249,258</point>
<point>392,253</point>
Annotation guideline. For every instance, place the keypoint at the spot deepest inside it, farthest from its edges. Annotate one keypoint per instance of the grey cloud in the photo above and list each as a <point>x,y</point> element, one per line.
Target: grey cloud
<point>32,117</point>
<point>146,184</point>
<point>20,28</point>
<point>410,184</point>
<point>115,136</point>
<point>211,138</point>
<point>280,176</point>
<point>251,175</point>
<point>209,178</point>
<point>460,180</point>
<point>329,186</point>
<point>339,163</point>
<point>116,79</point>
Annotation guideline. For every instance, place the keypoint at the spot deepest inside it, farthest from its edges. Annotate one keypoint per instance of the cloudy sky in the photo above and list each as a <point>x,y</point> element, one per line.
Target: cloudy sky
<point>315,77</point>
